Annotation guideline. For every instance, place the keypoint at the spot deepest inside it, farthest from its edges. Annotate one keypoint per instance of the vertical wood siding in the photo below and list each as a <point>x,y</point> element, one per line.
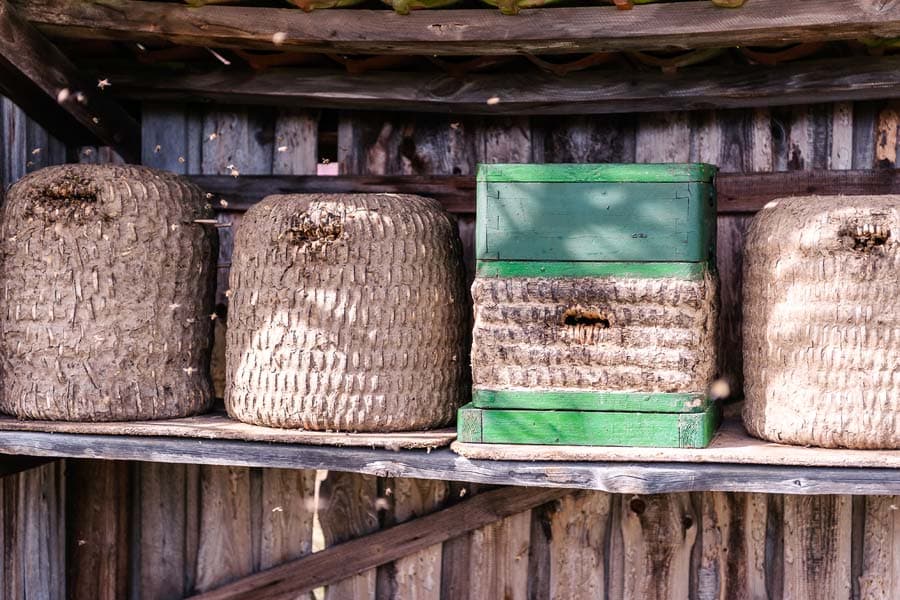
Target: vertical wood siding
<point>185,528</point>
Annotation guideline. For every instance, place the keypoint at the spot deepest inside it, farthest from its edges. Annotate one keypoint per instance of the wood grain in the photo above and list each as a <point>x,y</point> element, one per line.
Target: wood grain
<point>528,93</point>
<point>168,509</point>
<point>556,30</point>
<point>658,535</point>
<point>817,546</point>
<point>880,577</point>
<point>578,530</point>
<point>359,555</point>
<point>97,518</point>
<point>347,510</point>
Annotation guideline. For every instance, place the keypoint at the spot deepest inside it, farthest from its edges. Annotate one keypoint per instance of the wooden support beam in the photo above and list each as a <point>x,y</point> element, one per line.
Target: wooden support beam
<point>291,579</point>
<point>49,88</point>
<point>534,92</point>
<point>739,193</point>
<point>11,465</point>
<point>485,31</point>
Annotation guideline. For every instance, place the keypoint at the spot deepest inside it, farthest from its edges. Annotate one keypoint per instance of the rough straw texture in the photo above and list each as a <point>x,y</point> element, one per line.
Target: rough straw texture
<point>107,292</point>
<point>599,334</point>
<point>348,312</point>
<point>822,322</point>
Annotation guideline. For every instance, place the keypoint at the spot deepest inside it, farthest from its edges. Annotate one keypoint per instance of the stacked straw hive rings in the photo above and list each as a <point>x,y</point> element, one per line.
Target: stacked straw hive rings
<point>652,335</point>
<point>108,285</point>
<point>348,313</point>
<point>822,322</point>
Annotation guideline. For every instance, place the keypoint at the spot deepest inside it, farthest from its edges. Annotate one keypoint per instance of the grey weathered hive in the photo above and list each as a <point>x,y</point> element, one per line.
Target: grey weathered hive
<point>347,312</point>
<point>107,292</point>
<point>822,322</point>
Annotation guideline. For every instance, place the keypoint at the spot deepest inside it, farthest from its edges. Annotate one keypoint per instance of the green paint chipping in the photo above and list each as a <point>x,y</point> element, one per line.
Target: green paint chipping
<point>608,173</point>
<point>592,428</point>
<point>591,401</point>
<point>637,270</point>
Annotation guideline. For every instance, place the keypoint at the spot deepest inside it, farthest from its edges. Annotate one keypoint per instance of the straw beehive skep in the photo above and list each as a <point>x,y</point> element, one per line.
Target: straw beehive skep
<point>822,322</point>
<point>348,312</point>
<point>603,334</point>
<point>107,291</point>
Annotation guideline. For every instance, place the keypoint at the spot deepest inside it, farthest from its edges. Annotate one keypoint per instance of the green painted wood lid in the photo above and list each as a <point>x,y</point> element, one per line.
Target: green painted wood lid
<point>611,173</point>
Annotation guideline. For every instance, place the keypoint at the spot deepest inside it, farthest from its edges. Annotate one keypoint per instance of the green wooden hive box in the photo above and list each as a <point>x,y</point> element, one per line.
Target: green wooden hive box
<point>595,305</point>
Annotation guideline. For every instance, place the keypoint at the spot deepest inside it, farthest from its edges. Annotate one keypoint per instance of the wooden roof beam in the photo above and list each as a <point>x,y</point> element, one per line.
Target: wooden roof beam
<point>536,93</point>
<point>473,31</point>
<point>50,89</point>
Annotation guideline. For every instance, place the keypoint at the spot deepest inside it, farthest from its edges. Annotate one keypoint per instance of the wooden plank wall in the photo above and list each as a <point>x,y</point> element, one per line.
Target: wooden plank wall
<point>191,528</point>
<point>32,503</point>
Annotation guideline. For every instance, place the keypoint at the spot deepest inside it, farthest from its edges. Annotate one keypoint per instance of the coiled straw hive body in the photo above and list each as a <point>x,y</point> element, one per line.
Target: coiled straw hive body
<point>107,291</point>
<point>348,312</point>
<point>609,334</point>
<point>822,322</point>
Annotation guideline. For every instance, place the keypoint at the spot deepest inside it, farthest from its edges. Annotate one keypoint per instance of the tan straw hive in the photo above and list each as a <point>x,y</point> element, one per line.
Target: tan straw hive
<point>107,291</point>
<point>615,334</point>
<point>822,322</point>
<point>348,312</point>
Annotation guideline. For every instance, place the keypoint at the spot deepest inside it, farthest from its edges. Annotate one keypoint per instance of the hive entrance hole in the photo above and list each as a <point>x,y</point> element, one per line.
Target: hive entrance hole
<point>71,188</point>
<point>303,228</point>
<point>581,316</point>
<point>867,236</point>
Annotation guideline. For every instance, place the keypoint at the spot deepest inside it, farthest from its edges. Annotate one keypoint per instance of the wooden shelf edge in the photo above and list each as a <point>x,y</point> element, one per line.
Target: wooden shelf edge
<point>618,477</point>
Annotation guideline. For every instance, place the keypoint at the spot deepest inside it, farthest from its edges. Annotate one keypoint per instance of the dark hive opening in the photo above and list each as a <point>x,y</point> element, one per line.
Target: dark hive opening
<point>582,316</point>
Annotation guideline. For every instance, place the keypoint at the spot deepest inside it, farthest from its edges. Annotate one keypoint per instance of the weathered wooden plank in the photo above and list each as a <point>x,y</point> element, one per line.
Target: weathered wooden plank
<point>97,518</point>
<point>592,92</point>
<point>621,477</point>
<point>38,76</point>
<point>498,558</point>
<point>168,509</point>
<point>287,506</point>
<point>880,577</point>
<point>658,535</point>
<point>418,575</point>
<point>347,510</point>
<point>738,193</point>
<point>817,546</point>
<point>225,551</point>
<point>296,142</point>
<point>594,29</point>
<point>732,557</point>
<point>578,531</point>
<point>363,553</point>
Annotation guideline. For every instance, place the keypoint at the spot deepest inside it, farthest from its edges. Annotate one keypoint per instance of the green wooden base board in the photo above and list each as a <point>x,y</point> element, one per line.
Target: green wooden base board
<point>590,401</point>
<point>587,428</point>
<point>638,270</point>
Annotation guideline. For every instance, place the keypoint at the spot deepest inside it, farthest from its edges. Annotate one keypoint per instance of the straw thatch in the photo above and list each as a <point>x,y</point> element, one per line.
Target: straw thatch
<point>601,334</point>
<point>107,292</point>
<point>348,312</point>
<point>822,322</point>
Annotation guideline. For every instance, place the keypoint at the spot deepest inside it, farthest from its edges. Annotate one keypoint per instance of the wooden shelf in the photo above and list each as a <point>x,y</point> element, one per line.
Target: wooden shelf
<point>631,471</point>
<point>469,31</point>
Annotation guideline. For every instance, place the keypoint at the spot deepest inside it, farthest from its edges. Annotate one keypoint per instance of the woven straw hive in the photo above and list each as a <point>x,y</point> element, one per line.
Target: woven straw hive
<point>611,334</point>
<point>107,291</point>
<point>348,312</point>
<point>822,322</point>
